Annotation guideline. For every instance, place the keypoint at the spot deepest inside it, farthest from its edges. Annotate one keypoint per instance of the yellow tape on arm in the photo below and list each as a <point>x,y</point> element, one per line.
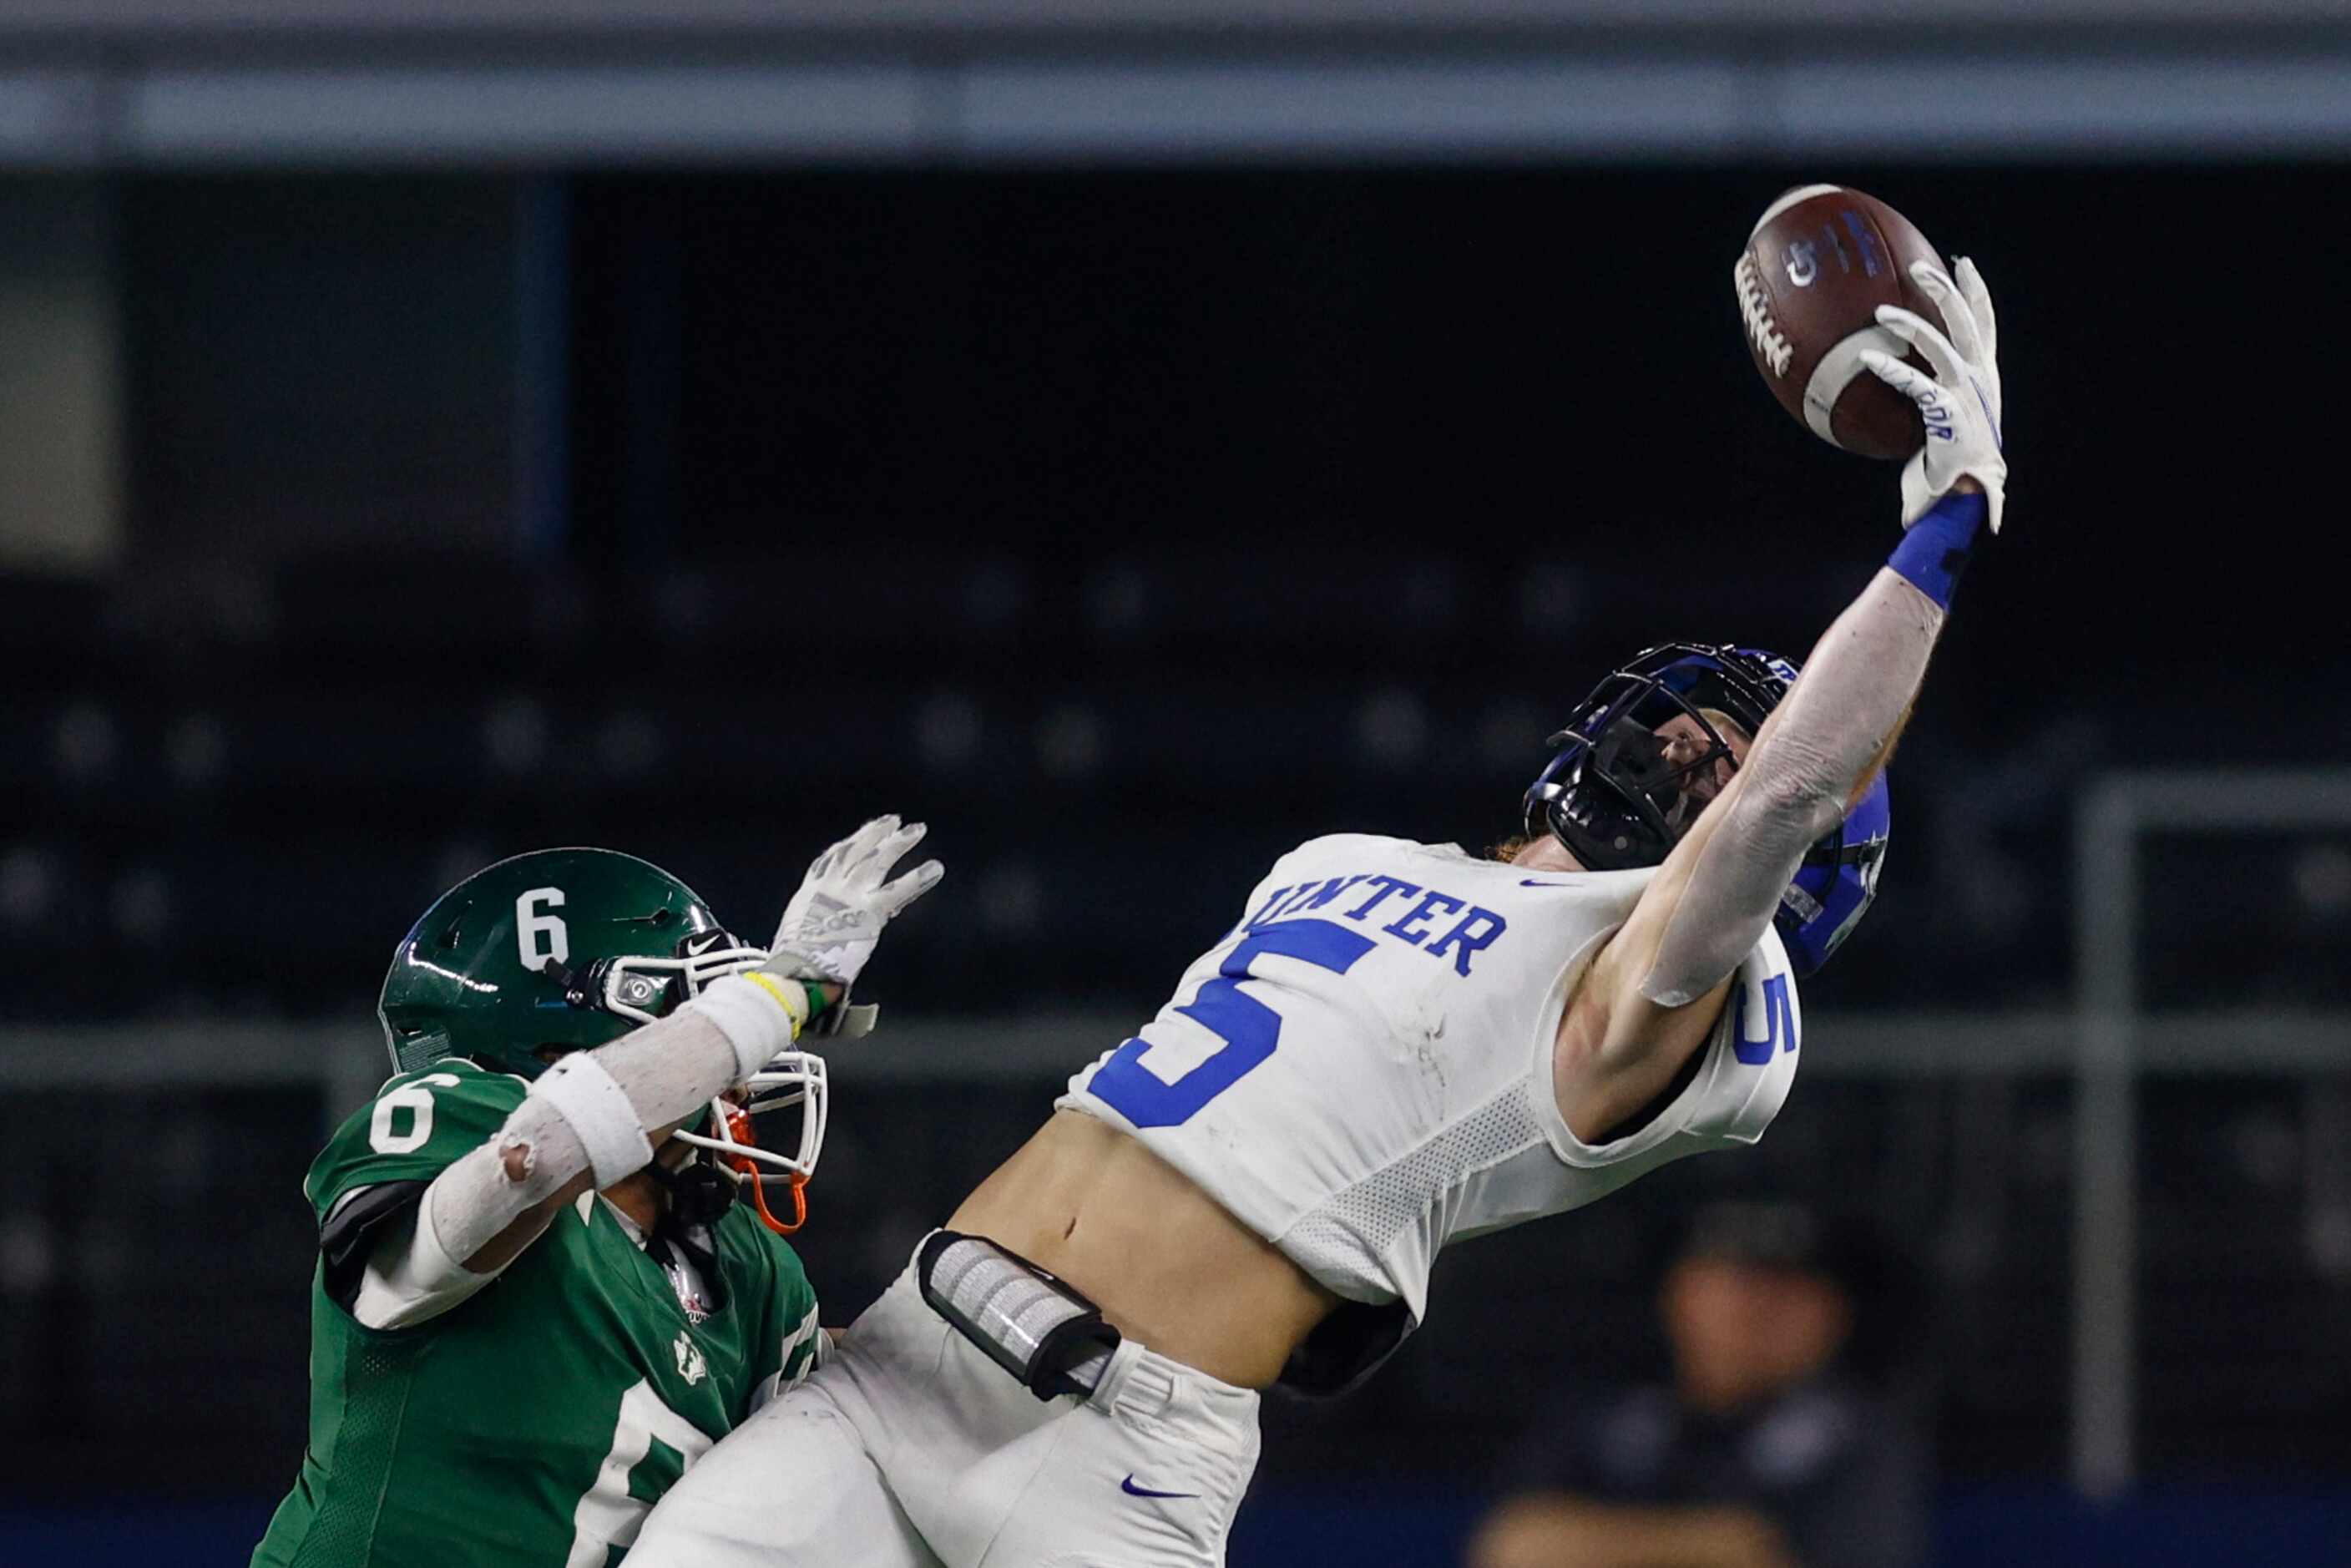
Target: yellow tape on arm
<point>791,998</point>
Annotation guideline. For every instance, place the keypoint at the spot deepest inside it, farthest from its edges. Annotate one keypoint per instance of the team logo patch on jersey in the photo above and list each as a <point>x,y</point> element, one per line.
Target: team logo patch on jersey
<point>690,1365</point>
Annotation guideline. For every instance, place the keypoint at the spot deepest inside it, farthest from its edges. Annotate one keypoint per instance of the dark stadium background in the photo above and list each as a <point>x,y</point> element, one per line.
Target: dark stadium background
<point>1130,523</point>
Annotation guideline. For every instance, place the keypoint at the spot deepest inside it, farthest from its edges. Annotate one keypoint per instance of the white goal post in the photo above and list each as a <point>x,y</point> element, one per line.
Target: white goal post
<point>2113,1036</point>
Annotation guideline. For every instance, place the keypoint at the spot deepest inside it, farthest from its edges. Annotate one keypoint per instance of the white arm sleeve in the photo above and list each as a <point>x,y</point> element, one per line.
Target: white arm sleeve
<point>665,1069</point>
<point>409,1276</point>
<point>1851,698</point>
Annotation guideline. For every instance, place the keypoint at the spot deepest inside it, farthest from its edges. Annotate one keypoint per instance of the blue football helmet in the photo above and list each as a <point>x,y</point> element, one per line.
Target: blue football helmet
<point>1618,796</point>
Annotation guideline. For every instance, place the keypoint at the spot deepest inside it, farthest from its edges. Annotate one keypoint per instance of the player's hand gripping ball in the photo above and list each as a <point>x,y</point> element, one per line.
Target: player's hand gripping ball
<point>1960,402</point>
<point>1820,262</point>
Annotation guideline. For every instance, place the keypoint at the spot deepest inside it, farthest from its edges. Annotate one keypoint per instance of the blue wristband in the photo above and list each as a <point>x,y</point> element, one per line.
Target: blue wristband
<point>1935,551</point>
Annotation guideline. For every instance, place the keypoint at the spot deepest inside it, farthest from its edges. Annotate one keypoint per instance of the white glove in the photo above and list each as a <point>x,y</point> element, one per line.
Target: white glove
<point>1960,402</point>
<point>834,922</point>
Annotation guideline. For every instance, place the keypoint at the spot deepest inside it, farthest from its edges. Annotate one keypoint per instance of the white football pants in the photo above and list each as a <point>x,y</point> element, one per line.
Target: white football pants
<point>909,1449</point>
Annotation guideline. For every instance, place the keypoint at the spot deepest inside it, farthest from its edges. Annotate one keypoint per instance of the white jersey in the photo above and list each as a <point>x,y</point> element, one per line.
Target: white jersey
<point>1361,1070</point>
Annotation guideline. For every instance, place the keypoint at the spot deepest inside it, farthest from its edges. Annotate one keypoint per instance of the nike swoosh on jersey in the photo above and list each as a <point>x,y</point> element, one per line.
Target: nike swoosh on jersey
<point>1131,1490</point>
<point>1528,882</point>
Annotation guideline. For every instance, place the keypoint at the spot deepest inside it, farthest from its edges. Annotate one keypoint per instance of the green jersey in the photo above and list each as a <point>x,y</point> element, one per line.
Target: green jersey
<point>536,1422</point>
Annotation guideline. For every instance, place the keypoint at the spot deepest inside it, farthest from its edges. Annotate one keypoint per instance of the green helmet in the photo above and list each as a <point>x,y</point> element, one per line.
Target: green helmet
<point>564,949</point>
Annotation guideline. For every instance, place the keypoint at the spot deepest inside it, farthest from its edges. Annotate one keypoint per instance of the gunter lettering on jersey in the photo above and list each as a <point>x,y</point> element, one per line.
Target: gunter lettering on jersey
<point>1420,914</point>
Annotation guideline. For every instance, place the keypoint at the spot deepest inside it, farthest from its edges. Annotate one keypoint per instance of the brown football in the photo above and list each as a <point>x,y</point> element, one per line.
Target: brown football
<point>1820,262</point>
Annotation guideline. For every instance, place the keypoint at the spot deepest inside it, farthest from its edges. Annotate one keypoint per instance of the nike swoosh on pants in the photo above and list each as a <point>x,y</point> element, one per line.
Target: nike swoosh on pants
<point>1131,1490</point>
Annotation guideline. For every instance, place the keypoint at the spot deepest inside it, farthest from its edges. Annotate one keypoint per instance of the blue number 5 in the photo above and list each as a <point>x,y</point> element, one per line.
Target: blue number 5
<point>1249,1028</point>
<point>1779,1024</point>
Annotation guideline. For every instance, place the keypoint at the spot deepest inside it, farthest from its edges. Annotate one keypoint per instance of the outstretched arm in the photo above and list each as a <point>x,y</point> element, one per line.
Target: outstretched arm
<point>1654,992</point>
<point>596,1116</point>
<point>1821,748</point>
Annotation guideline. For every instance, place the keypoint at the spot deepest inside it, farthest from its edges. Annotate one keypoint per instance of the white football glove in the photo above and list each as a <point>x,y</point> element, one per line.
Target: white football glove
<point>834,922</point>
<point>1960,402</point>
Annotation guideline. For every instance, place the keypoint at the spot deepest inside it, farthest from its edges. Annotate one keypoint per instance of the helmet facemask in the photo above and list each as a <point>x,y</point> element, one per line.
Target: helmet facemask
<point>792,1080</point>
<point>646,989</point>
<point>1619,795</point>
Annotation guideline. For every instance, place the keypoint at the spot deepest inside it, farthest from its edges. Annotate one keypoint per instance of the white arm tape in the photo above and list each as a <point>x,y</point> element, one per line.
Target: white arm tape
<point>665,1071</point>
<point>1852,694</point>
<point>409,1276</point>
<point>473,1200</point>
<point>599,1109</point>
<point>753,1016</point>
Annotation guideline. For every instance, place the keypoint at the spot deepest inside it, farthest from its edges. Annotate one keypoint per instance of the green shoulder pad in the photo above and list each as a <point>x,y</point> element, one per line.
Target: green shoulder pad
<point>416,1126</point>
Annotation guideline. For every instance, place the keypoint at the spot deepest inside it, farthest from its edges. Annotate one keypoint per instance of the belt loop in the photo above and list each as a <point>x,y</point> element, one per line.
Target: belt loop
<point>1147,1387</point>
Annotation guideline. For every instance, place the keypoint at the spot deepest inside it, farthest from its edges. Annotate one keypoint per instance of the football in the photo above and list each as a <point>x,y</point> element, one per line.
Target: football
<point>1818,264</point>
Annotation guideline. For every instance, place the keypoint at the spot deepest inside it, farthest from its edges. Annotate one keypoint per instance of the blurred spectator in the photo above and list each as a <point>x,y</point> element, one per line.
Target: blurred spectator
<point>1772,1448</point>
